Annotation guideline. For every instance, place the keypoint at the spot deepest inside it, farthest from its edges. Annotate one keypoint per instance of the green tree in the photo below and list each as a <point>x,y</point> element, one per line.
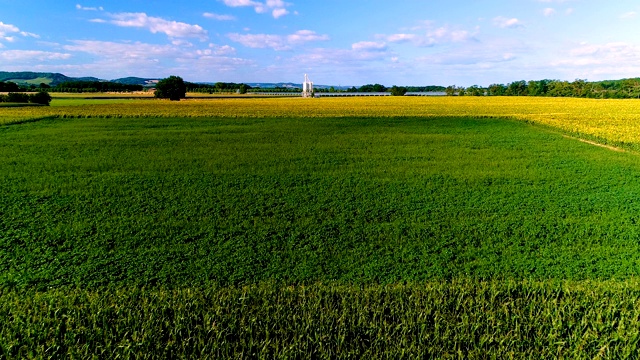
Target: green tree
<point>538,88</point>
<point>475,90</point>
<point>172,88</point>
<point>398,90</point>
<point>41,97</point>
<point>496,90</point>
<point>17,98</point>
<point>450,90</point>
<point>517,88</point>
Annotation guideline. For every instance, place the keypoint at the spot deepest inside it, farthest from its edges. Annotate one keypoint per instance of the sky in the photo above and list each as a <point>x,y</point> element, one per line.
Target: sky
<point>336,42</point>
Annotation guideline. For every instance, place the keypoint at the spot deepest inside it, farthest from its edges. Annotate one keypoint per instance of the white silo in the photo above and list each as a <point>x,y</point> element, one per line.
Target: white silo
<point>307,87</point>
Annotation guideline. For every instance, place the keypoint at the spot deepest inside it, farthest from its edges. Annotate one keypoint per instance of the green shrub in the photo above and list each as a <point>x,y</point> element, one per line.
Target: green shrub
<point>17,98</point>
<point>41,97</point>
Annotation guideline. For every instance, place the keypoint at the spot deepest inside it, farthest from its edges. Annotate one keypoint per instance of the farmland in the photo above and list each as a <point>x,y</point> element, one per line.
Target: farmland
<point>441,227</point>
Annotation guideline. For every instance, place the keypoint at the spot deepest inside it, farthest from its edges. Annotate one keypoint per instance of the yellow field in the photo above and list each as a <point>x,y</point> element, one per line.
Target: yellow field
<point>613,122</point>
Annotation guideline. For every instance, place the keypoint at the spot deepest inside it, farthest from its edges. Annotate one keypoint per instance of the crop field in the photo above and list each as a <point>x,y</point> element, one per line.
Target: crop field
<point>613,122</point>
<point>320,228</point>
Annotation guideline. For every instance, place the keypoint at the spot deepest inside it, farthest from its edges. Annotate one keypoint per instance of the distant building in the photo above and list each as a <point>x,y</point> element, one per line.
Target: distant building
<point>307,87</point>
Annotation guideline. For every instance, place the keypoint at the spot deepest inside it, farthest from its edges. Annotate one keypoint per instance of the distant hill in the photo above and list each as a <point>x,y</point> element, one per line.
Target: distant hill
<point>54,79</point>
<point>36,78</point>
<point>136,81</point>
<point>293,85</point>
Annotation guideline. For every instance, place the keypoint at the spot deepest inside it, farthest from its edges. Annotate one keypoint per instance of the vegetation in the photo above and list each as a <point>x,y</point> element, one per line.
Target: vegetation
<point>398,90</point>
<point>422,227</point>
<point>610,89</point>
<point>219,87</point>
<point>27,78</point>
<point>9,87</point>
<point>372,88</point>
<point>610,122</point>
<point>445,320</point>
<point>172,88</point>
<point>182,202</point>
<point>40,98</point>
<point>95,86</point>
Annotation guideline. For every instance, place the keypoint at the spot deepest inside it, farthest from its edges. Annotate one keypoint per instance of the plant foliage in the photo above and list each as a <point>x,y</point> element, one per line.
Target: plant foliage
<point>172,88</point>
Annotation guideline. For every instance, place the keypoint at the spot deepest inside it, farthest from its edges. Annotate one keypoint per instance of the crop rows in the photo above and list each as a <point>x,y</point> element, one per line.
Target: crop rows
<point>281,228</point>
<point>459,319</point>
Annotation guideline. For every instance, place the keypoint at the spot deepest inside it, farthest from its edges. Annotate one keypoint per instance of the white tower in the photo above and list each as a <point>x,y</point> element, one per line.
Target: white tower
<point>307,87</point>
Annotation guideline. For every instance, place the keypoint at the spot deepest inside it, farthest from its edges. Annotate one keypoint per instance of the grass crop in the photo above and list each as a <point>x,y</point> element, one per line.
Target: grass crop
<point>613,122</point>
<point>181,202</point>
<point>446,320</point>
<point>260,229</point>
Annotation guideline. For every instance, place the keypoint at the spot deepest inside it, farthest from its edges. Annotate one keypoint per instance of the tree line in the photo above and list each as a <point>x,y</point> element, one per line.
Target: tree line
<point>41,98</point>
<point>609,89</point>
<point>95,86</point>
<point>219,87</point>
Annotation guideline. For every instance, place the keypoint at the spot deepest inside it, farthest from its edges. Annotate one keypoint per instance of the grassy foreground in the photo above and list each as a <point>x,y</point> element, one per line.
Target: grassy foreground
<point>182,202</point>
<point>447,320</point>
<point>326,237</point>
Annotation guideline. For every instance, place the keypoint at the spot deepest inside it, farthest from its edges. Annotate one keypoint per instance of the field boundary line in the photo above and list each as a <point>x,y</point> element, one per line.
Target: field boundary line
<point>612,148</point>
<point>27,121</point>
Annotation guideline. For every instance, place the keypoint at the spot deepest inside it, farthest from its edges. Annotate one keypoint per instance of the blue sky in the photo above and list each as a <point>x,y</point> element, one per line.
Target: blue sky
<point>337,42</point>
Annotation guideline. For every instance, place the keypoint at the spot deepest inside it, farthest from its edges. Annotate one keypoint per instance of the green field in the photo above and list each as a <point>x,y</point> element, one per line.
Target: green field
<point>351,237</point>
<point>36,81</point>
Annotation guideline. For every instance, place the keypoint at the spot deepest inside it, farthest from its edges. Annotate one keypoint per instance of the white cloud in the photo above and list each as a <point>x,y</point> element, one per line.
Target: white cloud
<point>277,42</point>
<point>112,58</point>
<point>219,17</point>
<point>428,34</point>
<point>600,61</point>
<point>279,12</point>
<point>549,11</point>
<point>172,29</point>
<point>629,15</point>
<point>509,23</point>
<point>28,34</point>
<point>473,56</point>
<point>398,38</point>
<point>217,50</point>
<point>123,51</point>
<point>8,32</point>
<point>277,7</point>
<point>303,36</point>
<point>32,55</point>
<point>7,29</point>
<point>260,41</point>
<point>360,56</point>
<point>369,46</point>
<point>85,8</point>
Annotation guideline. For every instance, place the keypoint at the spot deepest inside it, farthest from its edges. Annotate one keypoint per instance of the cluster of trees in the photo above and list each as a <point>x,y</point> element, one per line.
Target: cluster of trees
<point>9,86</point>
<point>278,89</point>
<point>172,88</point>
<point>41,97</point>
<point>395,90</point>
<point>219,87</point>
<point>610,89</point>
<point>95,86</point>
